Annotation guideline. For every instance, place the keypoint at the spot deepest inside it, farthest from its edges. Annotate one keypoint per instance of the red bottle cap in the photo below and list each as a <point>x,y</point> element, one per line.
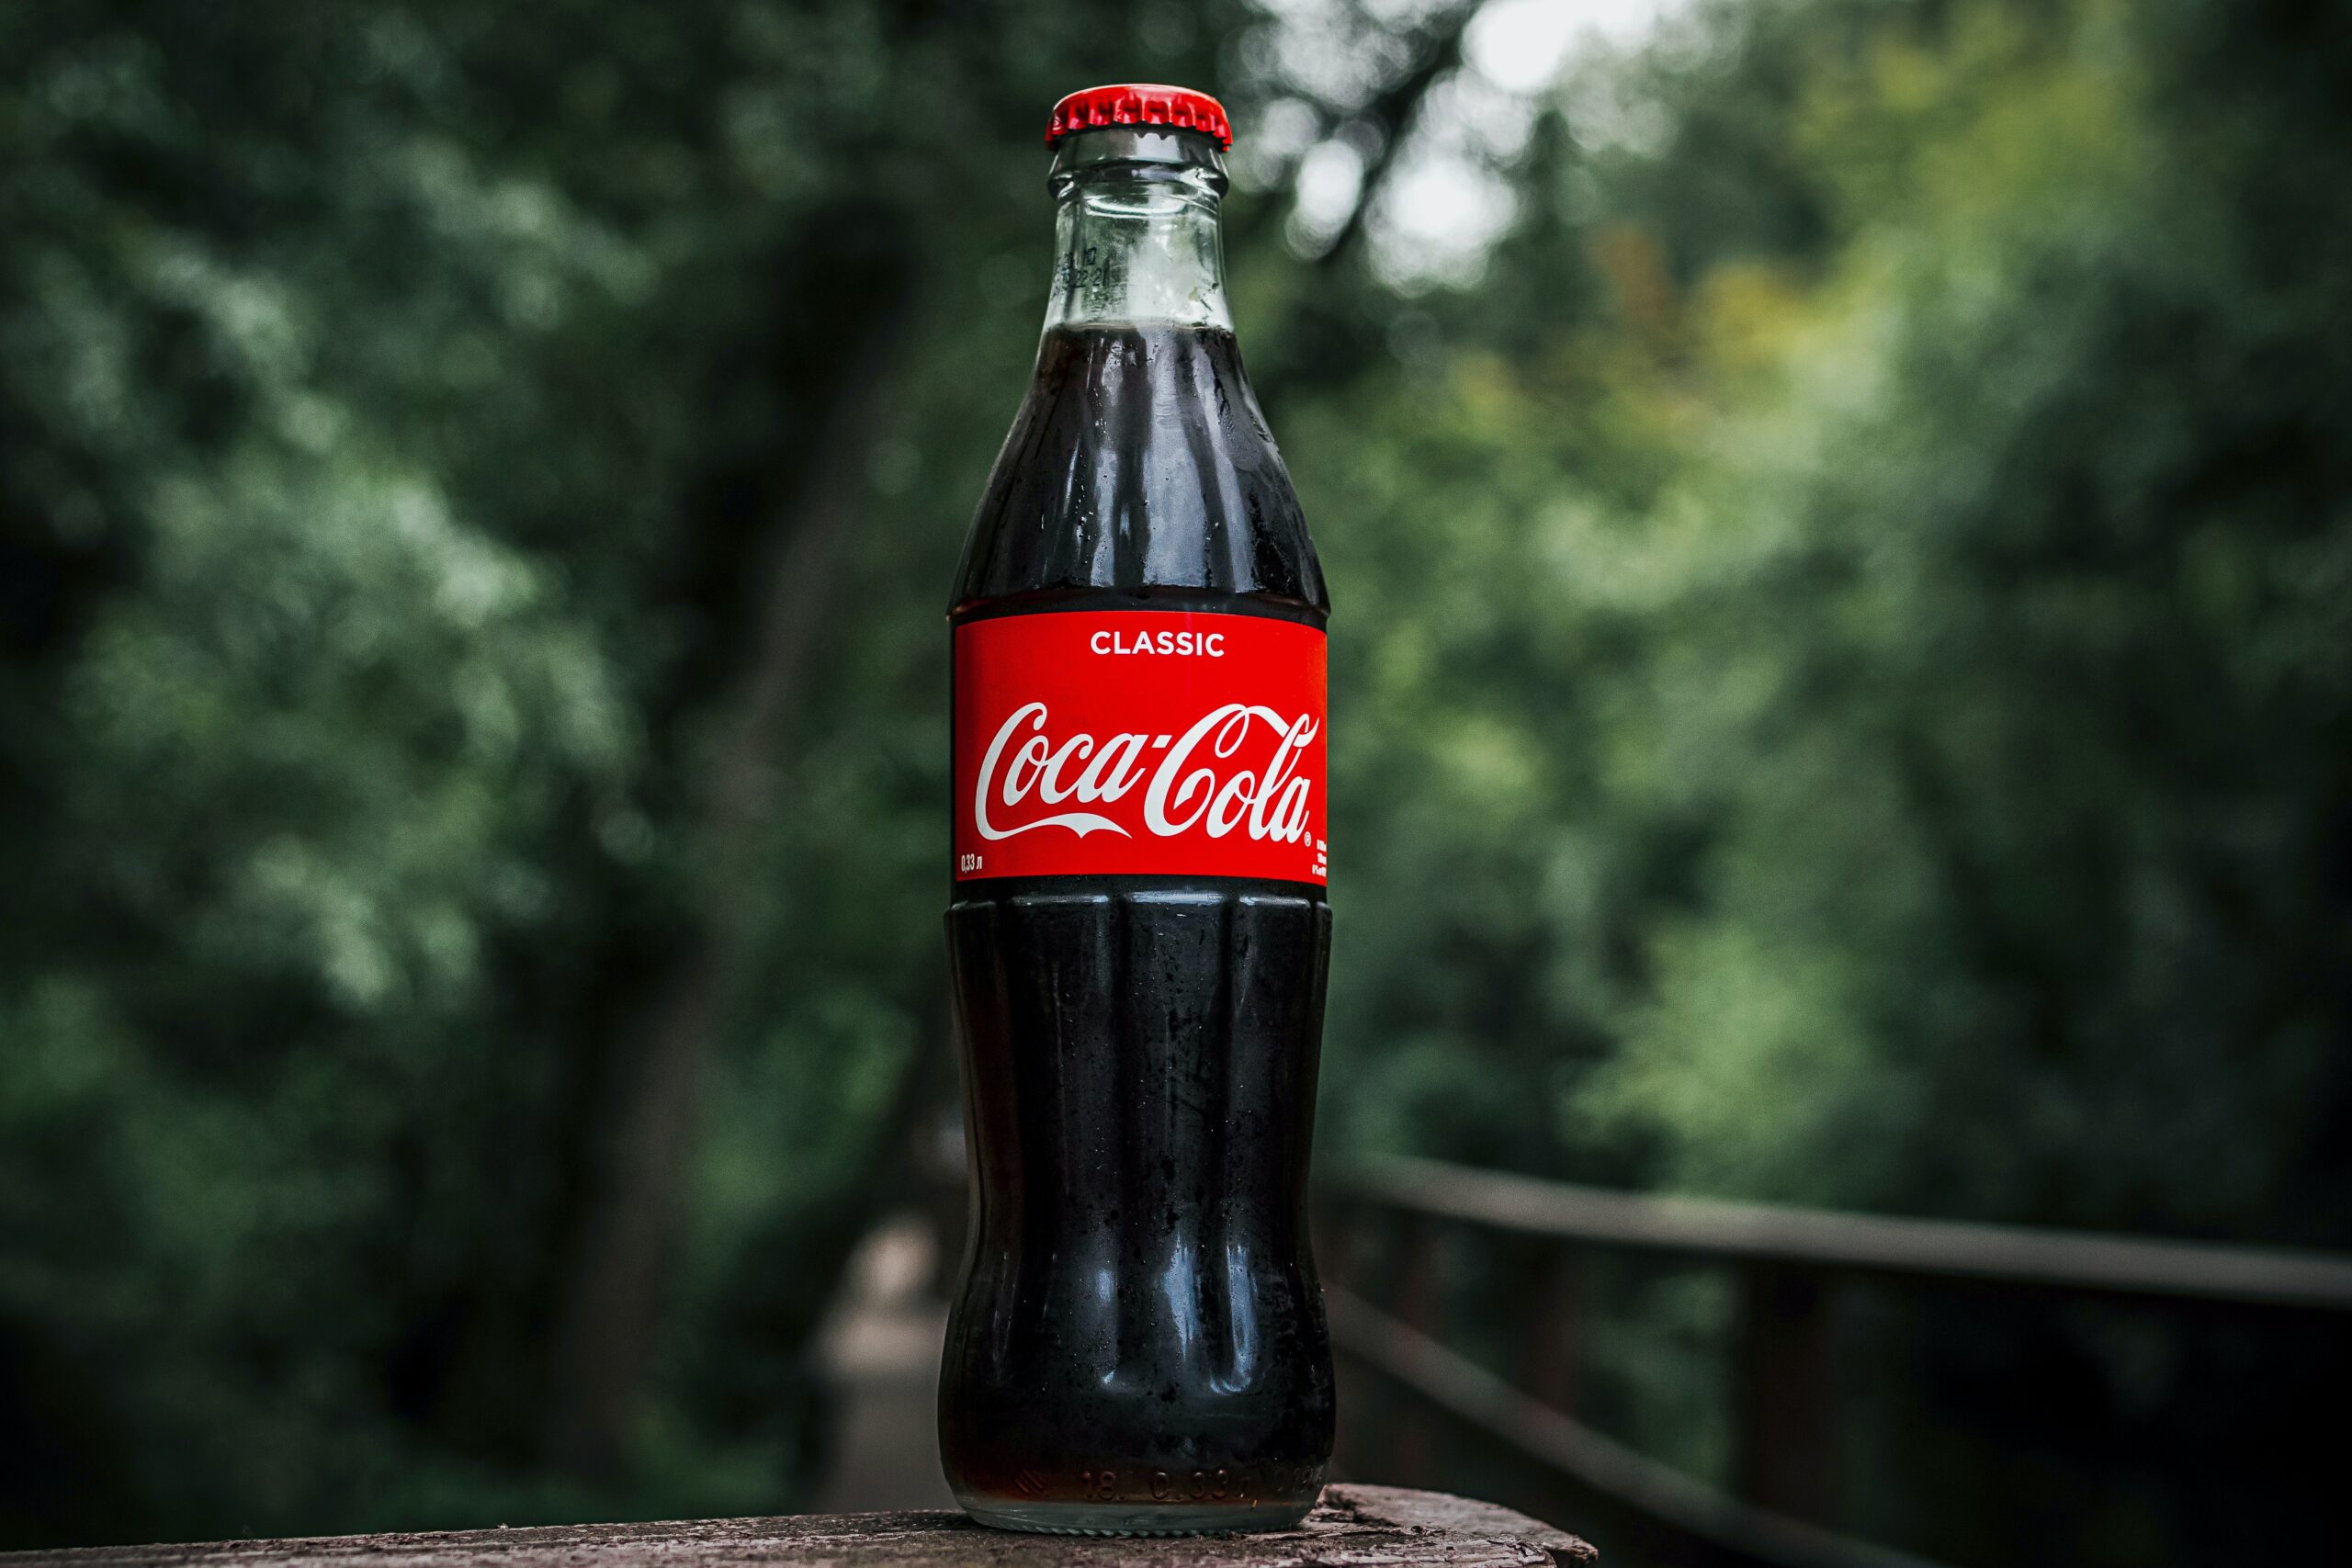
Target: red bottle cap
<point>1140,102</point>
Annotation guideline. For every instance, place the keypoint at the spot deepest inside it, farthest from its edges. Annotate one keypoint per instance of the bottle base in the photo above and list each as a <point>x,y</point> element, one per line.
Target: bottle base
<point>1127,1519</point>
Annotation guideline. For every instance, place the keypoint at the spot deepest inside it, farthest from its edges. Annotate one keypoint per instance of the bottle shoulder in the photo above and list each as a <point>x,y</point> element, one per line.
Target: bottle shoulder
<point>1140,461</point>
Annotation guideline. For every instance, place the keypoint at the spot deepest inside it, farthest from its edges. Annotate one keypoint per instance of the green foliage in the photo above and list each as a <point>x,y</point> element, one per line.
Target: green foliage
<point>1892,685</point>
<point>408,409</point>
<point>1837,685</point>
<point>1855,717</point>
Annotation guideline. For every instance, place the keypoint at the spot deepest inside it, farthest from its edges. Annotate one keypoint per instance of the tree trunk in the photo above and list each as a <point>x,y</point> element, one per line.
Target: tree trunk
<point>608,1314</point>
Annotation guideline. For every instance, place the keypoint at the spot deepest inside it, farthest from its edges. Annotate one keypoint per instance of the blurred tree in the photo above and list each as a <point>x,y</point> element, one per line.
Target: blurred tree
<point>1854,708</point>
<point>1838,672</point>
<point>472,482</point>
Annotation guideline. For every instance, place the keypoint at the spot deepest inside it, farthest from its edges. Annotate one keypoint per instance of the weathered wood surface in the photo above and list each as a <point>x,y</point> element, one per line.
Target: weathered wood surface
<point>1356,1527</point>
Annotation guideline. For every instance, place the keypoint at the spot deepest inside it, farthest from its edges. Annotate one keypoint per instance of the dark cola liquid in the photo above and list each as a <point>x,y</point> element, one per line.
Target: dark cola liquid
<point>1138,1341</point>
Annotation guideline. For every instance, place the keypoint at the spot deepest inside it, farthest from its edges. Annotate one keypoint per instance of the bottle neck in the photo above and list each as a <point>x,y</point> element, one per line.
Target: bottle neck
<point>1136,233</point>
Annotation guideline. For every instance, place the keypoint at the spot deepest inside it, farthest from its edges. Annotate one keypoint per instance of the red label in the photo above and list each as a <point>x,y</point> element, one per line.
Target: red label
<point>1139,741</point>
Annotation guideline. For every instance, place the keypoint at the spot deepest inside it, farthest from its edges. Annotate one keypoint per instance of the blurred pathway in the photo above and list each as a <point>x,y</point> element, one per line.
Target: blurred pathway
<point>881,1350</point>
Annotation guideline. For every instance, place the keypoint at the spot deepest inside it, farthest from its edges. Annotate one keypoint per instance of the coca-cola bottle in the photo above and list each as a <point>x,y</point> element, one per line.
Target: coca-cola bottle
<point>1137,925</point>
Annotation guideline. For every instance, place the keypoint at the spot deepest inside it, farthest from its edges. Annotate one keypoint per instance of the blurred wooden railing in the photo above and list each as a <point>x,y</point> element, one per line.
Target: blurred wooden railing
<point>1382,1231</point>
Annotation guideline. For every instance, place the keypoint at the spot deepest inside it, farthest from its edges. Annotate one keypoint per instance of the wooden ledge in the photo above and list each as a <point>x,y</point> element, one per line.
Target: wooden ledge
<point>1355,1527</point>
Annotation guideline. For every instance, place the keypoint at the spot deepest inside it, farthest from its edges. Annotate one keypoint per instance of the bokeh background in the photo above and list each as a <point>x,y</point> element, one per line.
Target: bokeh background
<point>1840,517</point>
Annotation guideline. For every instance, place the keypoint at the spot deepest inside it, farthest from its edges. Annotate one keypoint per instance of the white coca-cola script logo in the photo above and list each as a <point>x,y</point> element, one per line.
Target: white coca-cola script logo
<point>1265,799</point>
